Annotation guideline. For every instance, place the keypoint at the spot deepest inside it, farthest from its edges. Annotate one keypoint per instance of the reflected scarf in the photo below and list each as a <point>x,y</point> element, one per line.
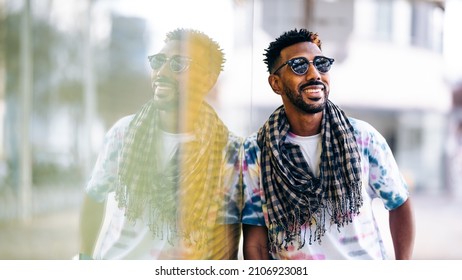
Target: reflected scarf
<point>180,200</point>
<point>294,197</point>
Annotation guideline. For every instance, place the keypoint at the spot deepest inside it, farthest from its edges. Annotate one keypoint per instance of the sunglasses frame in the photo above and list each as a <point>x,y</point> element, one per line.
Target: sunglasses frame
<point>170,60</point>
<point>291,61</point>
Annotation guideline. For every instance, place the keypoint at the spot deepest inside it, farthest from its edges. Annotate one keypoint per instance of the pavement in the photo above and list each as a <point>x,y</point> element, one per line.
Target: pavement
<point>54,236</point>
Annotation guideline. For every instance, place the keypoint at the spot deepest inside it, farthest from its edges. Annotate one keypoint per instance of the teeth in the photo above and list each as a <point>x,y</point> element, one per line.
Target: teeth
<point>311,90</point>
<point>163,86</point>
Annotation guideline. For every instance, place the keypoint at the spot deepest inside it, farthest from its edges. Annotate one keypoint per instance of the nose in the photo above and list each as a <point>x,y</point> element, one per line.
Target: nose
<point>312,73</point>
<point>163,69</point>
<point>162,72</point>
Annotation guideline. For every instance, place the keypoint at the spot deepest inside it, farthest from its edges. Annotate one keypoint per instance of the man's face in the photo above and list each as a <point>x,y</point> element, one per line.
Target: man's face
<point>181,80</point>
<point>307,93</point>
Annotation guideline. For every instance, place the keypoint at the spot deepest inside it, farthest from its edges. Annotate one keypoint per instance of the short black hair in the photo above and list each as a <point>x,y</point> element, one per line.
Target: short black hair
<point>289,38</point>
<point>216,58</point>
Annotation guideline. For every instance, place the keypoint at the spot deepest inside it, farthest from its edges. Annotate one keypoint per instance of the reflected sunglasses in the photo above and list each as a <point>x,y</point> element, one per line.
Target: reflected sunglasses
<point>300,65</point>
<point>177,63</point>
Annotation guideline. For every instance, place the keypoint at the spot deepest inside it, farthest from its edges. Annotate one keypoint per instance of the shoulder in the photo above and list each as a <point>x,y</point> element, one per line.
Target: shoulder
<point>120,127</point>
<point>250,144</point>
<point>122,123</point>
<point>362,127</point>
<point>366,134</point>
<point>251,151</point>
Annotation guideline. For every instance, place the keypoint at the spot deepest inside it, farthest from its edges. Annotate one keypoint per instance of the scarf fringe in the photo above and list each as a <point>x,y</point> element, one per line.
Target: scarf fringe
<point>282,236</point>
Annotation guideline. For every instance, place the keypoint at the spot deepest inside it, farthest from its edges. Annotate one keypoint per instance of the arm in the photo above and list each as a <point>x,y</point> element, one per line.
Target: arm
<point>255,242</point>
<point>100,185</point>
<point>402,230</point>
<point>91,219</point>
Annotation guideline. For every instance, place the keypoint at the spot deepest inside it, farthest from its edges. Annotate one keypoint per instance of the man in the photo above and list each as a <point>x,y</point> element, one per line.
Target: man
<point>310,173</point>
<point>164,185</point>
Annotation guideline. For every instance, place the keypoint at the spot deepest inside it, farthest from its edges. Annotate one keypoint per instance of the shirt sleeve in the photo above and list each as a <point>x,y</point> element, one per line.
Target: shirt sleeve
<point>385,179</point>
<point>252,212</point>
<point>104,174</point>
<point>232,181</point>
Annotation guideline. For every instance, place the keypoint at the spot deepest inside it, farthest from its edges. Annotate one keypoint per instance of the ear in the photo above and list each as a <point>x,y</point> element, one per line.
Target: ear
<point>274,81</point>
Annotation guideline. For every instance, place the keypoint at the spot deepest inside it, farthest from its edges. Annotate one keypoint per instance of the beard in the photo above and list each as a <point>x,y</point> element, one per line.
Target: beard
<point>167,105</point>
<point>167,98</point>
<point>170,94</point>
<point>297,100</point>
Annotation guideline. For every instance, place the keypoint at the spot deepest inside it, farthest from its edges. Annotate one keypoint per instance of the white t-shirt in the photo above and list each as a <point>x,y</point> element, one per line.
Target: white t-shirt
<point>311,148</point>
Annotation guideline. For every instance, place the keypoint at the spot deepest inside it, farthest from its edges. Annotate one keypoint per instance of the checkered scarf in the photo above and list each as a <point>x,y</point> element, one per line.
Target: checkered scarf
<point>296,198</point>
<point>183,197</point>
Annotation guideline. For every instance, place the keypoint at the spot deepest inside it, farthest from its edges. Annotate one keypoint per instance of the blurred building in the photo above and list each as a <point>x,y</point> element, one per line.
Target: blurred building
<point>67,73</point>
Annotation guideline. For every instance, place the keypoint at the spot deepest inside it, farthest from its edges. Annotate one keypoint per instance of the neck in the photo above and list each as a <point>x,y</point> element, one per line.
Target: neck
<point>173,121</point>
<point>169,121</point>
<point>305,124</point>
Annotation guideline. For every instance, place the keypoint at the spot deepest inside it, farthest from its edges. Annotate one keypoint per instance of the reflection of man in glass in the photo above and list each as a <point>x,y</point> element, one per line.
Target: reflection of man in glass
<point>167,175</point>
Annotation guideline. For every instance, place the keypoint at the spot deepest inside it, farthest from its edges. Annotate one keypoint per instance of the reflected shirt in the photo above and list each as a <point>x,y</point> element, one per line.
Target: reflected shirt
<point>122,239</point>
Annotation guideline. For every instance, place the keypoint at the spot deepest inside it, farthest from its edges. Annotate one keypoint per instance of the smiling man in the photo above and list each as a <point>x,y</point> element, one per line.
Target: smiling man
<point>310,173</point>
<point>165,184</point>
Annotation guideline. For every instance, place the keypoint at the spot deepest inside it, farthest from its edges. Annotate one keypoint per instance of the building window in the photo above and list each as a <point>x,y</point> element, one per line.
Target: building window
<point>384,25</point>
<point>427,25</point>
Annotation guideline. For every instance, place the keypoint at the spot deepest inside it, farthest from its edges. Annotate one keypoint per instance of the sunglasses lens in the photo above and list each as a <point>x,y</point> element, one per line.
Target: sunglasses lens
<point>157,61</point>
<point>299,65</point>
<point>323,64</point>
<point>179,64</point>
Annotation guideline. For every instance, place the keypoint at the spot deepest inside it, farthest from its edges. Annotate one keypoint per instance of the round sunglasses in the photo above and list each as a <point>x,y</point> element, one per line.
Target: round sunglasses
<point>300,65</point>
<point>177,63</point>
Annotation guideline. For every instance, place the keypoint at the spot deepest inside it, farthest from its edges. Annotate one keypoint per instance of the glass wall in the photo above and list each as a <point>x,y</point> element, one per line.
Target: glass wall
<point>70,70</point>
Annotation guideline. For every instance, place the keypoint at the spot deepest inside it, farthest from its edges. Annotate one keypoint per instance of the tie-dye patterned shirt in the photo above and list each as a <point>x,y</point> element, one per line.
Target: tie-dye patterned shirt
<point>360,239</point>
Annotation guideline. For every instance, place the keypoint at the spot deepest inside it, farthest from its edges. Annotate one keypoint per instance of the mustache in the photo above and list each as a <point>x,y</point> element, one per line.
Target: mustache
<point>312,83</point>
<point>165,80</point>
